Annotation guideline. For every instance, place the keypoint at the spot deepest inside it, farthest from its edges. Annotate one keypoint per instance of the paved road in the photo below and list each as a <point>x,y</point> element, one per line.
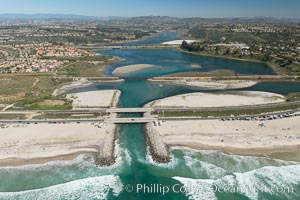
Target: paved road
<point>129,110</point>
<point>130,120</point>
<point>50,121</point>
<point>54,111</point>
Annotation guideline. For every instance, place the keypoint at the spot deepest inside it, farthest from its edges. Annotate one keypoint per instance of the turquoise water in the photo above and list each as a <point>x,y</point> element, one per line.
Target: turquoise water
<point>200,172</point>
<point>172,61</point>
<point>158,38</point>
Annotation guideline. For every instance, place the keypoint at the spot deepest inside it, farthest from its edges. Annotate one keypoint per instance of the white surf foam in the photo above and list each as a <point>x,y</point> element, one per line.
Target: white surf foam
<point>234,163</point>
<point>197,189</point>
<point>249,184</point>
<point>81,159</point>
<point>90,188</point>
<point>149,159</point>
<point>200,169</point>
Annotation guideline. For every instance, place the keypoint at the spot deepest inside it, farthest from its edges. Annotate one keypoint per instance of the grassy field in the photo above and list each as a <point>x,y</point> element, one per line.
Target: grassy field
<point>68,116</point>
<point>226,113</point>
<point>293,97</point>
<point>94,67</point>
<point>294,68</point>
<point>34,91</point>
<point>12,116</point>
<point>29,91</point>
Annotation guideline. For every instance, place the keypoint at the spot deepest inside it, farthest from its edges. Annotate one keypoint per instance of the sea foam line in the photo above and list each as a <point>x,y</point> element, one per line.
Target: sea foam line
<point>90,188</point>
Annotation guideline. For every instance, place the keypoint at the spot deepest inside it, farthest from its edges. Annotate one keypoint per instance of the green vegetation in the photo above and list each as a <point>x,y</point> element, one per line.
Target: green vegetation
<point>226,113</point>
<point>82,68</point>
<point>29,91</point>
<point>68,116</point>
<point>12,117</point>
<point>34,91</point>
<point>294,97</point>
<point>216,35</point>
<point>87,66</point>
<point>37,104</point>
<point>294,68</point>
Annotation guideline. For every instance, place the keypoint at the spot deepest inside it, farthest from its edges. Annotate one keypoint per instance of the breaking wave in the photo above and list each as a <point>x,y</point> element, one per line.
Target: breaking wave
<point>279,182</point>
<point>90,188</point>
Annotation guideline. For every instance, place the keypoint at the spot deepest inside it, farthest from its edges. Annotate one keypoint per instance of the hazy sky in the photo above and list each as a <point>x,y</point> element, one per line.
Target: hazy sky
<point>176,8</point>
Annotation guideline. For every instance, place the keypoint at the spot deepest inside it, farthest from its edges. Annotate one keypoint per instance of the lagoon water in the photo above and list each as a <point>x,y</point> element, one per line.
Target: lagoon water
<point>200,173</point>
<point>172,61</point>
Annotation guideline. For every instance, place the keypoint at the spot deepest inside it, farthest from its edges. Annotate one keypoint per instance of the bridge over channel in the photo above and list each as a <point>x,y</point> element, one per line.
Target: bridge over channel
<point>129,110</point>
<point>130,120</point>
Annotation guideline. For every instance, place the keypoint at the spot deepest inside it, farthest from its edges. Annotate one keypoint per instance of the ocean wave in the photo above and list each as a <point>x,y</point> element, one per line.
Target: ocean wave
<point>90,188</point>
<point>278,182</point>
<point>233,163</point>
<point>202,169</point>
<point>149,160</point>
<point>59,172</point>
<point>82,159</point>
<point>197,189</point>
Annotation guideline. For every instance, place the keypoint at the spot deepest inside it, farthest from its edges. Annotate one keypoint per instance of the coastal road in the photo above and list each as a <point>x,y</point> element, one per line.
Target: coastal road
<point>129,110</point>
<point>130,120</point>
<point>51,121</point>
<point>54,111</point>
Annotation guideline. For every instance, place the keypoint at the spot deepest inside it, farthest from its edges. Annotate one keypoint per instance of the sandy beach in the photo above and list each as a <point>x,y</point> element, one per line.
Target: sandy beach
<point>94,99</point>
<point>239,137</point>
<point>178,42</point>
<point>23,143</point>
<point>210,85</point>
<point>82,82</point>
<point>122,71</point>
<point>236,98</point>
<point>220,85</point>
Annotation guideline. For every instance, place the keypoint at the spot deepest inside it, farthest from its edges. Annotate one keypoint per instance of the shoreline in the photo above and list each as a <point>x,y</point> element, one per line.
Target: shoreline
<point>256,78</point>
<point>271,65</point>
<point>128,69</point>
<point>277,138</point>
<point>18,162</point>
<point>279,152</point>
<point>210,84</point>
<point>159,152</point>
<point>26,144</point>
<point>218,100</point>
<point>242,151</point>
<point>37,143</point>
<point>80,83</point>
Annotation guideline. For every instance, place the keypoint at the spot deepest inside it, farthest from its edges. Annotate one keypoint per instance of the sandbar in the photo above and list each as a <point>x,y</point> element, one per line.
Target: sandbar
<point>123,71</point>
<point>234,98</point>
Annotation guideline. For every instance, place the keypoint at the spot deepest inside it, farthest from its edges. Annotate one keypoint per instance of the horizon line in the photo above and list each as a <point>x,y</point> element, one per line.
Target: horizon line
<point>82,15</point>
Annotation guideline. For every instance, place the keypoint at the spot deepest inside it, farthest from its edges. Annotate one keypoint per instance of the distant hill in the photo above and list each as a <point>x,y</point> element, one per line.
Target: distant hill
<point>16,16</point>
<point>44,16</point>
<point>219,20</point>
<point>166,19</point>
